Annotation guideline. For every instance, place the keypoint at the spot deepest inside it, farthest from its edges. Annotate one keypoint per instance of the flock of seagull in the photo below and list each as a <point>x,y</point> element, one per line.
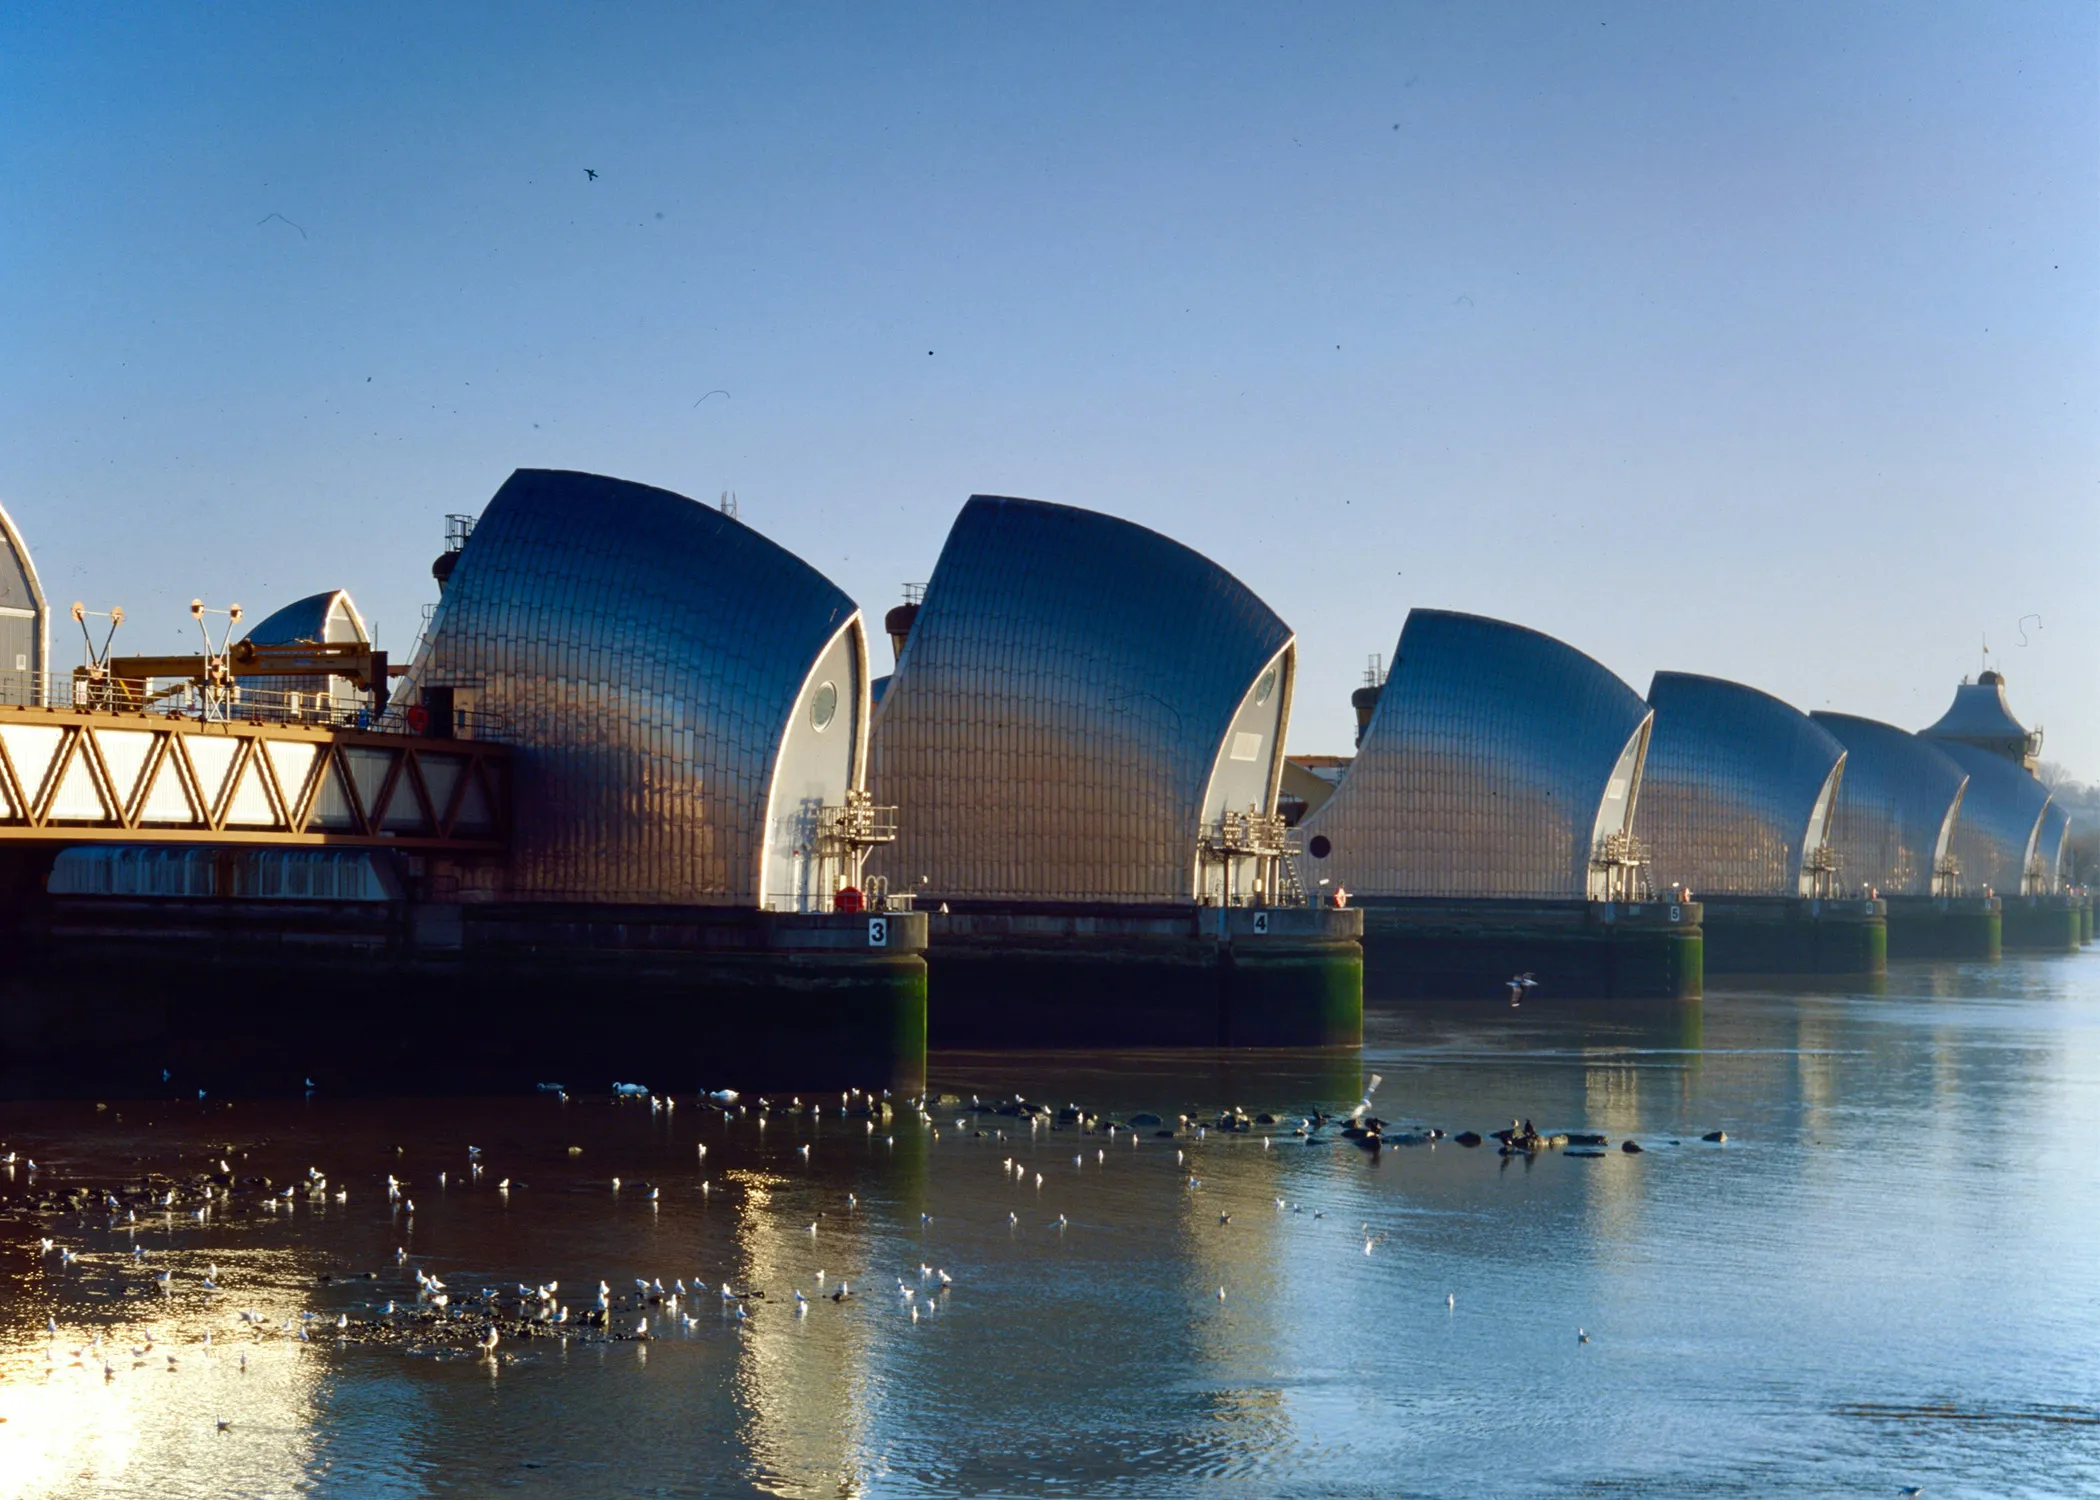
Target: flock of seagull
<point>429,1315</point>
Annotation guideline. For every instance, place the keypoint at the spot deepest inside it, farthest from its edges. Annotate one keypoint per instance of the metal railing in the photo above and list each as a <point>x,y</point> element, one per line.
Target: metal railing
<point>232,703</point>
<point>1253,855</point>
<point>1624,862</point>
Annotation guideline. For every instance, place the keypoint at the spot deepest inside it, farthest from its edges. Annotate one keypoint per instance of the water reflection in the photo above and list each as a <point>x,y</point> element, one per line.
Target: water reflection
<point>1875,1280</point>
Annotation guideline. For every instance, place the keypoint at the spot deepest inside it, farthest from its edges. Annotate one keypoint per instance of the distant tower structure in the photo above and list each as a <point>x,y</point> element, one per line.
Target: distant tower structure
<point>1979,716</point>
<point>1365,699</point>
<point>457,530</point>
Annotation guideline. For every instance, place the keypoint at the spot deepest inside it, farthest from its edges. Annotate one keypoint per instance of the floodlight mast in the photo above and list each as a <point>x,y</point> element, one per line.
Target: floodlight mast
<point>217,680</point>
<point>92,681</point>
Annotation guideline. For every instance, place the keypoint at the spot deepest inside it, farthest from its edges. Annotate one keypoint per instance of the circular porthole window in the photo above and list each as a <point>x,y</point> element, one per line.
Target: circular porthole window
<point>1319,848</point>
<point>824,706</point>
<point>1265,687</point>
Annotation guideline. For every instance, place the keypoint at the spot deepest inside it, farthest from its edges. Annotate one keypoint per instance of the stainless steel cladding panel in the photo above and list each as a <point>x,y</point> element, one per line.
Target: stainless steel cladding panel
<point>2001,815</point>
<point>1496,761</point>
<point>1897,808</point>
<point>2049,849</point>
<point>25,621</point>
<point>647,656</point>
<point>1065,700</point>
<point>1738,788</point>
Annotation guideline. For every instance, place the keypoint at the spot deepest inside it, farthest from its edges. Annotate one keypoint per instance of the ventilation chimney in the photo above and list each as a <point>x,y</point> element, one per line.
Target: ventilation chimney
<point>457,530</point>
<point>1365,699</point>
<point>898,621</point>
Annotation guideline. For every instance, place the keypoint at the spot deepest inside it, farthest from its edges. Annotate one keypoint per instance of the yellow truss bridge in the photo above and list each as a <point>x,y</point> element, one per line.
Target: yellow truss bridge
<point>70,775</point>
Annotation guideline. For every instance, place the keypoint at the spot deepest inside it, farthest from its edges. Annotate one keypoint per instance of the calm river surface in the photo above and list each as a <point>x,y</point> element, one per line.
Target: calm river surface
<point>1885,1277</point>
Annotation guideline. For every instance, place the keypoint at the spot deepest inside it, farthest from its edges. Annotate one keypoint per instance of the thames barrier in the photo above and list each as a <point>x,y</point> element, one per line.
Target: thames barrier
<point>638,790</point>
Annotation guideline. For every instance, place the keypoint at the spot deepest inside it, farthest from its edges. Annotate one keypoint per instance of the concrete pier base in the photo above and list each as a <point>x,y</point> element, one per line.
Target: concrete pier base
<point>1784,935</point>
<point>1057,974</point>
<point>255,997</point>
<point>1953,927</point>
<point>2043,924</point>
<point>1422,947</point>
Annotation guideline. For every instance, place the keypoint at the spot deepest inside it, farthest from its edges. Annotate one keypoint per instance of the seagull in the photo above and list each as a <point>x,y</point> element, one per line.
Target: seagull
<point>1581,1336</point>
<point>1363,1105</point>
<point>590,173</point>
<point>1450,1300</point>
<point>1517,985</point>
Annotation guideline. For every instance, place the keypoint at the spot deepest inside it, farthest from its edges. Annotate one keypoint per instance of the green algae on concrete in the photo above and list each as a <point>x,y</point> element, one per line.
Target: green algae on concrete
<point>2043,924</point>
<point>1783,935</point>
<point>1435,947</point>
<point>1968,928</point>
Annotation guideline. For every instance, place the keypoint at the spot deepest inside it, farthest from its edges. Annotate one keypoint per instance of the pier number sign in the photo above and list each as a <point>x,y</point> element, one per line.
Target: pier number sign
<point>1261,922</point>
<point>878,932</point>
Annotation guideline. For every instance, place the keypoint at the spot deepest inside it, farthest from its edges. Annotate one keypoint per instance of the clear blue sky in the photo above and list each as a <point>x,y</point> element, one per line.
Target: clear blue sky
<point>1758,340</point>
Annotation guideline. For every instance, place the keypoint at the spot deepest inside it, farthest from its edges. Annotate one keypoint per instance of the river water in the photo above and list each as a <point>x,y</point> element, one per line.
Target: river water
<point>1882,1278</point>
